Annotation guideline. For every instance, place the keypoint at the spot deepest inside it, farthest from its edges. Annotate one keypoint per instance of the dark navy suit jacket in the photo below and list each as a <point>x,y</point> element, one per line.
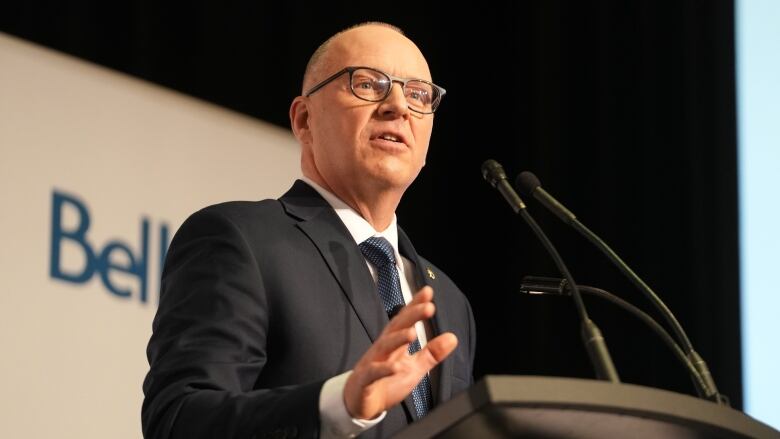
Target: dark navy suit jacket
<point>261,303</point>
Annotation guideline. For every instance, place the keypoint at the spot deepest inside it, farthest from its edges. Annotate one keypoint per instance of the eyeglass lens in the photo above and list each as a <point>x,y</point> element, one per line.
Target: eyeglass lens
<point>373,85</point>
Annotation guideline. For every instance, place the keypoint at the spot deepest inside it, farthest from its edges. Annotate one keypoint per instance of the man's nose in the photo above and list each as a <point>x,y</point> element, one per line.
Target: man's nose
<point>395,103</point>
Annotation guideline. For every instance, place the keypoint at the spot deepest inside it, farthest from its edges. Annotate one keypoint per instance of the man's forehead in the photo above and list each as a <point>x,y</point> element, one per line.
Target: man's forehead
<point>377,47</point>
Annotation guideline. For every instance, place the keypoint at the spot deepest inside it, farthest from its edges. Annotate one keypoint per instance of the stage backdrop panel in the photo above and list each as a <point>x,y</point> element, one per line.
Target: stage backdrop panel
<point>97,171</point>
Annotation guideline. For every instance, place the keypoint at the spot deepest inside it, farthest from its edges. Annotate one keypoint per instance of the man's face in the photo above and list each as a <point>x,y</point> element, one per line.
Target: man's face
<point>350,139</point>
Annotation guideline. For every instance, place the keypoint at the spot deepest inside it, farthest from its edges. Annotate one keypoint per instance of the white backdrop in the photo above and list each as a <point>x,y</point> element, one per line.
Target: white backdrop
<point>97,171</point>
<point>758,92</point>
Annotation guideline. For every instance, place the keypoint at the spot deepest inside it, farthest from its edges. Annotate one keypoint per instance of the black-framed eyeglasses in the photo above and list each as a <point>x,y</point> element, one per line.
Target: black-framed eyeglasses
<point>370,84</point>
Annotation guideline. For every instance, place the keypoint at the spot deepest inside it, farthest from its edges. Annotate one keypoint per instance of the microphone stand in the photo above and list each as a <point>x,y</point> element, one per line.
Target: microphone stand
<point>560,287</point>
<point>529,184</point>
<point>594,342</point>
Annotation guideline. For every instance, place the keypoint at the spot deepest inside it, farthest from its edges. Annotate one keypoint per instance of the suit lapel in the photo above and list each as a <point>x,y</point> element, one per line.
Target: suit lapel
<point>324,228</point>
<point>425,275</point>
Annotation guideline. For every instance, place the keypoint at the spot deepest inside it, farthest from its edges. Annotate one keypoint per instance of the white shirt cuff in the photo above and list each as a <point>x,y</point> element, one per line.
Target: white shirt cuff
<point>335,420</point>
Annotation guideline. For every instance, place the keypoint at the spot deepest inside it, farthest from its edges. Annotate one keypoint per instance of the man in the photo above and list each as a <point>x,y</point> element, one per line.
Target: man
<point>285,318</point>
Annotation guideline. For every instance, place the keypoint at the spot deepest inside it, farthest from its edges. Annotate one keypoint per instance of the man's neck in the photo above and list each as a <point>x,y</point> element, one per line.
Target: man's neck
<point>378,210</point>
<point>376,207</point>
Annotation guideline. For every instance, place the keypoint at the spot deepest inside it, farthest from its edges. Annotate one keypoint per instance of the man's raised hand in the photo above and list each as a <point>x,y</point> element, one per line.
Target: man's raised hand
<point>386,373</point>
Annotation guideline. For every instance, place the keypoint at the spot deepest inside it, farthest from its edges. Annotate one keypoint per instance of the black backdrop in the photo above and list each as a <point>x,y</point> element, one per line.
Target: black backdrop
<point>625,111</point>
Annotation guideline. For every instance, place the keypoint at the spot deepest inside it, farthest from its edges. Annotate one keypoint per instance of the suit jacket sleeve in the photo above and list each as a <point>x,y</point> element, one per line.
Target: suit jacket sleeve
<point>209,344</point>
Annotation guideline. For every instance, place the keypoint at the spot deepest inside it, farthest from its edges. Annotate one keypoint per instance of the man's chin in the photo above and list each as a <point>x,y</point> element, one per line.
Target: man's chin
<point>393,180</point>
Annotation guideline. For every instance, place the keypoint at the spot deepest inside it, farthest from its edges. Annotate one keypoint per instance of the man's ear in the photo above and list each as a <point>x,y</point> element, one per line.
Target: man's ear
<point>299,120</point>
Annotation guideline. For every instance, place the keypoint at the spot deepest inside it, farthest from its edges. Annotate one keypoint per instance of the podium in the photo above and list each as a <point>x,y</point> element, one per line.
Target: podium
<point>546,407</point>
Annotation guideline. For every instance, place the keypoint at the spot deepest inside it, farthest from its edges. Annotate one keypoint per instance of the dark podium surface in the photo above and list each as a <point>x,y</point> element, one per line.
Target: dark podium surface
<point>546,407</point>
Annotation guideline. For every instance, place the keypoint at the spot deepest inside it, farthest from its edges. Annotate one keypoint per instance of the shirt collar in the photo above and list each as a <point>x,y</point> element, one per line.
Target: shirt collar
<point>358,227</point>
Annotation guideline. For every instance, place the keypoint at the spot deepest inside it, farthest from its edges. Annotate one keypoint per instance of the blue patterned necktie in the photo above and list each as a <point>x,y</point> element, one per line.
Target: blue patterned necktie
<point>380,254</point>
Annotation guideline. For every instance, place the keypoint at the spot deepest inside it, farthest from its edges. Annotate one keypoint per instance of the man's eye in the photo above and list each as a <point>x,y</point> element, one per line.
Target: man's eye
<point>369,84</point>
<point>418,95</point>
<point>364,84</point>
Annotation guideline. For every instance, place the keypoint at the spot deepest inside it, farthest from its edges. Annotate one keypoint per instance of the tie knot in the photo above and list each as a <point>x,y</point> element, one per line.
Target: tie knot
<point>378,251</point>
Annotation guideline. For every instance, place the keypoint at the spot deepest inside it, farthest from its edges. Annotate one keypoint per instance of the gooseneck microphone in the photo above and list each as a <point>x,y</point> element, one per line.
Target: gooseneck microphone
<point>494,174</point>
<point>528,184</point>
<point>594,342</point>
<point>560,287</point>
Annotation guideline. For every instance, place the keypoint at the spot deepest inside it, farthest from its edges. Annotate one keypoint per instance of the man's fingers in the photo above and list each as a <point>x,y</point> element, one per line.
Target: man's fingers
<point>390,342</point>
<point>411,314</point>
<point>425,294</point>
<point>436,350</point>
<point>419,308</point>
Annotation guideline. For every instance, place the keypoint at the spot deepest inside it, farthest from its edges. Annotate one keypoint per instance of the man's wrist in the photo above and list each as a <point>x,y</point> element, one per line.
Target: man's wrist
<point>336,422</point>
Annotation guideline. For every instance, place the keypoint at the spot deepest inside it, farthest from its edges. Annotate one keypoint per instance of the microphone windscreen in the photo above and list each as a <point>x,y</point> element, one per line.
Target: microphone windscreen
<point>492,171</point>
<point>526,183</point>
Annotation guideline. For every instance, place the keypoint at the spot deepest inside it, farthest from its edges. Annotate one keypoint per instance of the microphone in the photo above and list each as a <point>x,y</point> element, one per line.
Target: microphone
<point>538,285</point>
<point>528,184</point>
<point>594,342</point>
<point>494,174</point>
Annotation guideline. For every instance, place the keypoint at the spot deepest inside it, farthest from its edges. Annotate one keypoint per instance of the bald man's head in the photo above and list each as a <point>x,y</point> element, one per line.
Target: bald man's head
<point>317,66</point>
<point>361,148</point>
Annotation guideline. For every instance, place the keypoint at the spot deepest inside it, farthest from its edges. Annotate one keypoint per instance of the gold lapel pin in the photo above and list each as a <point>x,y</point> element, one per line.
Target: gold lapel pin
<point>431,273</point>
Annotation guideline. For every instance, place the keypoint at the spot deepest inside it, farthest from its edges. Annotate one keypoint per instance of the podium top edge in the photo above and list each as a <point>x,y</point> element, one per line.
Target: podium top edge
<point>564,392</point>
